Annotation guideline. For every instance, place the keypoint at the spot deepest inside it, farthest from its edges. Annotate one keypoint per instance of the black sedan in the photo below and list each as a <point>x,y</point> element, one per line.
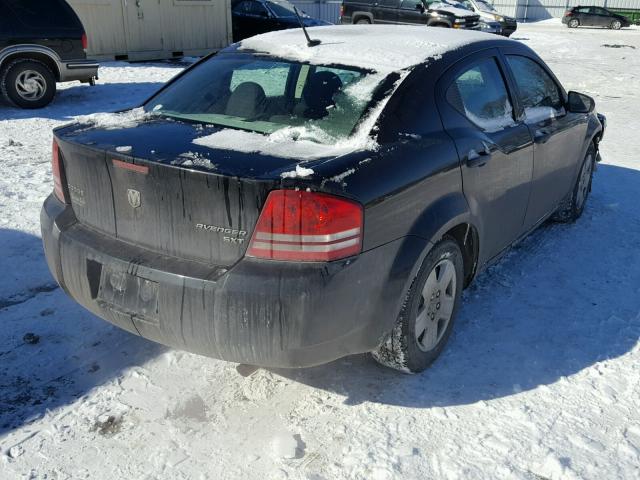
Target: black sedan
<point>284,205</point>
<point>252,17</point>
<point>582,16</point>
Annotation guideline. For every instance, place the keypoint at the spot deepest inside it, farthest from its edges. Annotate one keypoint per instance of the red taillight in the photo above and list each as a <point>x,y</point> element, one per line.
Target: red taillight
<point>56,169</point>
<point>85,43</point>
<point>307,226</point>
<point>568,13</point>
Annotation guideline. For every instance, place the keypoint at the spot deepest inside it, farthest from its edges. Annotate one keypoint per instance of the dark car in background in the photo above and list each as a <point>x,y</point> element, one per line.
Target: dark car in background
<point>491,21</point>
<point>283,205</point>
<point>41,43</point>
<point>591,16</point>
<point>433,13</point>
<point>253,17</point>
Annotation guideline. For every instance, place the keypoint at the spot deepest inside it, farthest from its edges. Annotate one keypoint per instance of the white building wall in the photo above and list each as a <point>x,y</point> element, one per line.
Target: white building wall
<point>154,29</point>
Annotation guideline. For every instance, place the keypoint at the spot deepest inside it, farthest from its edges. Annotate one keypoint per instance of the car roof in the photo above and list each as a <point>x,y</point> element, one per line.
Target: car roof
<point>383,48</point>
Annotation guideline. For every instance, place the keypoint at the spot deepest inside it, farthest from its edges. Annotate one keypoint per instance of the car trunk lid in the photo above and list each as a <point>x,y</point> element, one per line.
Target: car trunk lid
<point>152,187</point>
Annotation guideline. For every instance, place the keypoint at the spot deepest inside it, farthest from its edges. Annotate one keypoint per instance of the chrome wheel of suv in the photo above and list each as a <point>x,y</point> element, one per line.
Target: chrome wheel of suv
<point>28,83</point>
<point>616,25</point>
<point>573,23</point>
<point>31,85</point>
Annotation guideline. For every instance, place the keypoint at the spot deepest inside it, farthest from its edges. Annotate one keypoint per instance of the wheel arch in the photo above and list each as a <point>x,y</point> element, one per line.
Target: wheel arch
<point>450,216</point>
<point>359,15</point>
<point>32,52</point>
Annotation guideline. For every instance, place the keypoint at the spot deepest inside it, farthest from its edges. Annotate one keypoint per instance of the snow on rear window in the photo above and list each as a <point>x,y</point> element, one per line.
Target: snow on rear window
<point>112,121</point>
<point>301,143</point>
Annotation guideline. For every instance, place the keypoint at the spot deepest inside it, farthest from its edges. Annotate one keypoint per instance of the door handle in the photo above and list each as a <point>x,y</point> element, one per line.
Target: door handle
<point>542,135</point>
<point>478,159</point>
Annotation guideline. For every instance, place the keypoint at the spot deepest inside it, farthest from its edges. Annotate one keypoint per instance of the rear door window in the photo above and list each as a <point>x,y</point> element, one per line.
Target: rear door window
<point>540,95</point>
<point>479,93</point>
<point>409,4</point>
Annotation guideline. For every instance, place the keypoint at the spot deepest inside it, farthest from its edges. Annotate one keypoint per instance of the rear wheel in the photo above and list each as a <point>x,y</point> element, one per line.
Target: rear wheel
<point>573,23</point>
<point>427,316</point>
<point>28,83</point>
<point>616,25</point>
<point>572,207</point>
<point>363,21</point>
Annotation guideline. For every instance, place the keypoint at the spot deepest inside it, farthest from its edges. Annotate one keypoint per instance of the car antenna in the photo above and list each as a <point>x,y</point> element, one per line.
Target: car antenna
<point>310,42</point>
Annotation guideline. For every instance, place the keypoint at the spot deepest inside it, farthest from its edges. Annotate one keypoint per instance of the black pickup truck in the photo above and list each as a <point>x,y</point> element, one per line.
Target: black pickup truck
<point>41,43</point>
<point>433,13</point>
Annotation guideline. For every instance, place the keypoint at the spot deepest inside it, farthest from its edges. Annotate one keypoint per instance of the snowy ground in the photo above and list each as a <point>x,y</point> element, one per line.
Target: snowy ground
<point>541,379</point>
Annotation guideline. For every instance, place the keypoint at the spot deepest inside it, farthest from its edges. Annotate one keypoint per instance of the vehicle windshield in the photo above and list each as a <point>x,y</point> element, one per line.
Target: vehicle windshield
<point>261,94</point>
<point>485,6</point>
<point>281,8</point>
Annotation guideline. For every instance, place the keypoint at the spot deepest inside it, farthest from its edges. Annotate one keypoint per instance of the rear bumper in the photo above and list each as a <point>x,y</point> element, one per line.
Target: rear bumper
<point>273,314</point>
<point>82,70</point>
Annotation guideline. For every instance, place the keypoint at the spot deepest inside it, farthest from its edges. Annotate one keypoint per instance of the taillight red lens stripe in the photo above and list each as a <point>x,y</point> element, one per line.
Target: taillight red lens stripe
<point>56,170</point>
<point>307,226</point>
<point>143,169</point>
<point>85,42</point>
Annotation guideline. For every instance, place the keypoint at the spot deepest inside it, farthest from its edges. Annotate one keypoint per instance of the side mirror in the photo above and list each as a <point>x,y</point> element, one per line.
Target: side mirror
<point>264,14</point>
<point>420,6</point>
<point>580,103</point>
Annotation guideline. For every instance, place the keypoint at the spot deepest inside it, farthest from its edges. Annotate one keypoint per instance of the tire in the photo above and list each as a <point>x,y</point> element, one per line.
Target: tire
<point>440,25</point>
<point>28,83</point>
<point>572,206</point>
<point>363,21</point>
<point>441,277</point>
<point>573,23</point>
<point>616,25</point>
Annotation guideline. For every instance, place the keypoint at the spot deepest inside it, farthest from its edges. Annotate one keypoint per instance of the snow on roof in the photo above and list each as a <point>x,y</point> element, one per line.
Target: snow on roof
<point>377,47</point>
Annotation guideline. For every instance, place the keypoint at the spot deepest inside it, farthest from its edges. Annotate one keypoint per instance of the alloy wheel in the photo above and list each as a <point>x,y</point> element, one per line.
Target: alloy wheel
<point>436,305</point>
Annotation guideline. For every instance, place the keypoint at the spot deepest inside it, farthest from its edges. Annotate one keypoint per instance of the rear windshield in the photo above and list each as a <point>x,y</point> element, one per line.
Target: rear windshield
<point>262,94</point>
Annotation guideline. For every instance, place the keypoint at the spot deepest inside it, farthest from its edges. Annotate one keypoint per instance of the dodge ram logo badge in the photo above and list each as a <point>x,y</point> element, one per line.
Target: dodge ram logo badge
<point>134,197</point>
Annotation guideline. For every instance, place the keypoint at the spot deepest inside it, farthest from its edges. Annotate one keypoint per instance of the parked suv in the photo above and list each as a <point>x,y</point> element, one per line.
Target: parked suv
<point>422,12</point>
<point>41,43</point>
<point>594,17</point>
<point>490,20</point>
